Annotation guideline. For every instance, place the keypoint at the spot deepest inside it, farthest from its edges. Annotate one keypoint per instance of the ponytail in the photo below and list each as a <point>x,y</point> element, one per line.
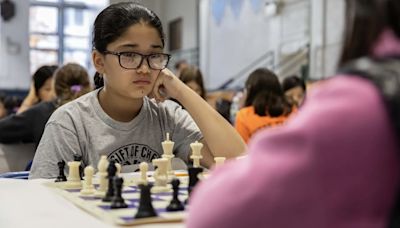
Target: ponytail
<point>98,81</point>
<point>268,103</point>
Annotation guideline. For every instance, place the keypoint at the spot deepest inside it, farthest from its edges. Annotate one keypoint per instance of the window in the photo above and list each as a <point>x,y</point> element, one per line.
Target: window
<point>60,31</point>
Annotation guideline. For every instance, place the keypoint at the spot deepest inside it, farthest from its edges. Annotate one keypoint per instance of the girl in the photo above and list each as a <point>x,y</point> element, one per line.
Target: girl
<point>71,81</point>
<point>336,162</point>
<point>41,87</point>
<point>265,105</point>
<point>118,119</point>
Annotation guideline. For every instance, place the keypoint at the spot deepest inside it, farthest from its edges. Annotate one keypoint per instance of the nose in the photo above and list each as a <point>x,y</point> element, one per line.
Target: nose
<point>144,67</point>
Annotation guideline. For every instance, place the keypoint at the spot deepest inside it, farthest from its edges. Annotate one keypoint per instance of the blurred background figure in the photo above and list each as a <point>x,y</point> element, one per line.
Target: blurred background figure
<point>3,110</point>
<point>193,78</point>
<point>71,81</point>
<point>265,104</point>
<point>41,87</point>
<point>180,66</point>
<point>294,89</point>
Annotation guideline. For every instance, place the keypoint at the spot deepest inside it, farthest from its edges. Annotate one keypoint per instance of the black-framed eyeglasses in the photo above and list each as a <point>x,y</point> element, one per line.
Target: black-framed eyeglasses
<point>133,60</point>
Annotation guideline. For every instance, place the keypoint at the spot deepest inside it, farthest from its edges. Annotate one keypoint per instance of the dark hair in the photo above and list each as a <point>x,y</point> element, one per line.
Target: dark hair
<point>265,93</point>
<point>114,20</point>
<point>193,74</point>
<point>41,75</point>
<point>71,82</point>
<point>292,82</point>
<point>365,20</point>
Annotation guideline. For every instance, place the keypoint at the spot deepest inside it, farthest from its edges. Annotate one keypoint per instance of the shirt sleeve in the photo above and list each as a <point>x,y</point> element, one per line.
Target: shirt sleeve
<point>57,143</point>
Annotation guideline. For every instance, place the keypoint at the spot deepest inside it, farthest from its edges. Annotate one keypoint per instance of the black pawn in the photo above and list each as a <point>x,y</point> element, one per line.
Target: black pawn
<point>175,204</point>
<point>145,205</point>
<point>117,200</point>
<point>78,157</point>
<point>193,179</point>
<point>61,175</point>
<point>111,171</point>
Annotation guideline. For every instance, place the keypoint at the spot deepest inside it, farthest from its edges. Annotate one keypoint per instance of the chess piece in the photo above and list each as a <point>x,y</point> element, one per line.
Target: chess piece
<point>175,204</point>
<point>117,201</point>
<point>102,174</point>
<point>219,161</point>
<point>168,147</point>
<point>146,208</point>
<point>73,180</point>
<point>88,188</point>
<point>111,171</point>
<point>118,169</point>
<point>196,153</point>
<point>61,176</point>
<point>78,158</point>
<point>193,179</point>
<point>160,175</point>
<point>144,167</point>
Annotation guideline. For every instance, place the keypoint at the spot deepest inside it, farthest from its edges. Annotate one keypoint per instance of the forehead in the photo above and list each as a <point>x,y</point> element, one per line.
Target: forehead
<point>138,37</point>
<point>295,90</point>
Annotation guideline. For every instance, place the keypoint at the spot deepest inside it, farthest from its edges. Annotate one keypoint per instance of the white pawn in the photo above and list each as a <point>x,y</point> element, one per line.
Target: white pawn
<point>88,188</point>
<point>196,153</point>
<point>168,147</point>
<point>118,169</point>
<point>144,167</point>
<point>219,161</point>
<point>74,179</point>
<point>160,175</point>
<point>102,175</point>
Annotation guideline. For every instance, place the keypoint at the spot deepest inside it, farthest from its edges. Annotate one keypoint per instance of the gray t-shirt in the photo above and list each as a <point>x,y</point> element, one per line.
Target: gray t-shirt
<point>82,127</point>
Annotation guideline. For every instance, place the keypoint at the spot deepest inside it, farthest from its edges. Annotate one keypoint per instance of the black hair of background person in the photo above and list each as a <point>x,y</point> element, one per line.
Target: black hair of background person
<point>264,92</point>
<point>292,82</point>
<point>366,20</point>
<point>41,75</point>
<point>111,24</point>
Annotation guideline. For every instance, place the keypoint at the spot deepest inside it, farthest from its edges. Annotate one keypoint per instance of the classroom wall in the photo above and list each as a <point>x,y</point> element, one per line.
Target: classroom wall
<point>14,49</point>
<point>243,32</point>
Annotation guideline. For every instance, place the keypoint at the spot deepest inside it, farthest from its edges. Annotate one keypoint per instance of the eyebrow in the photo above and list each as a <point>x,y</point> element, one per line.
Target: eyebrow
<point>135,46</point>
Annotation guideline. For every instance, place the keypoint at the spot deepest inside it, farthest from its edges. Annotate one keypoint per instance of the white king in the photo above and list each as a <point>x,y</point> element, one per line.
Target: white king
<point>196,153</point>
<point>168,147</point>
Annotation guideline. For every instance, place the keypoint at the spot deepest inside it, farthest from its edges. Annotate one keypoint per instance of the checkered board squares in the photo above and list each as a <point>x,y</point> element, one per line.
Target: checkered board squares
<point>125,216</point>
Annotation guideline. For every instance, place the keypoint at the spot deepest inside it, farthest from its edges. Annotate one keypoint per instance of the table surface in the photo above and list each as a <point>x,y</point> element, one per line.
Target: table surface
<point>31,204</point>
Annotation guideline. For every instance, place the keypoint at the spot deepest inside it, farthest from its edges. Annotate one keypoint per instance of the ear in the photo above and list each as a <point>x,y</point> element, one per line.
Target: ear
<point>98,61</point>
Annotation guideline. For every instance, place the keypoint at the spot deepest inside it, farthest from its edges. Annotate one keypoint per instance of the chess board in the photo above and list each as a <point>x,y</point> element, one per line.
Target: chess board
<point>131,194</point>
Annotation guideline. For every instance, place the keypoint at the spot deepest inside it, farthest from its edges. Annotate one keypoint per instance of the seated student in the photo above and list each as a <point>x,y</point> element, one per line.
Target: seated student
<point>71,81</point>
<point>41,88</point>
<point>193,78</point>
<point>3,110</point>
<point>119,120</point>
<point>180,66</point>
<point>336,163</point>
<point>294,89</point>
<point>265,105</point>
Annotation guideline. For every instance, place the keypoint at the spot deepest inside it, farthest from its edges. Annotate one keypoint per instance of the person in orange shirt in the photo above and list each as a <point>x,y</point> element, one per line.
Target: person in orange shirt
<point>265,104</point>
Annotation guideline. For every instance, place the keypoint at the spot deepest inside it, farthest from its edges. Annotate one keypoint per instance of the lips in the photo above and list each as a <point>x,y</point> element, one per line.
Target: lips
<point>141,82</point>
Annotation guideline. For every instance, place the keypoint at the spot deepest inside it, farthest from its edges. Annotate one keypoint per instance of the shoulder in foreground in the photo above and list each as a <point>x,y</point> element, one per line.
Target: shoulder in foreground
<point>75,107</point>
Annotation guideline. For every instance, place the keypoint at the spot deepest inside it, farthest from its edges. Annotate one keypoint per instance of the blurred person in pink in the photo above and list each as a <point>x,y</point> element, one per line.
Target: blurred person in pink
<point>336,163</point>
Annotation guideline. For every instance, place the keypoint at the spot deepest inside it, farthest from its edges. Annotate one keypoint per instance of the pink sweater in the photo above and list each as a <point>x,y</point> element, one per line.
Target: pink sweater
<point>335,164</point>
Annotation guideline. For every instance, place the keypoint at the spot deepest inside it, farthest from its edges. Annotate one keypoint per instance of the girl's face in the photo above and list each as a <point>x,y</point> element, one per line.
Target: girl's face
<point>46,92</point>
<point>130,83</point>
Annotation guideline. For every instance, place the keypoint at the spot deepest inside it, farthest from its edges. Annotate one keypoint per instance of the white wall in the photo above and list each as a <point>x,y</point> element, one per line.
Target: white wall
<point>14,49</point>
<point>238,40</point>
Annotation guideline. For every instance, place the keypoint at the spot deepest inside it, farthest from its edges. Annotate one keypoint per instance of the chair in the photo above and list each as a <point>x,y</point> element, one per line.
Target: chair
<point>15,157</point>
